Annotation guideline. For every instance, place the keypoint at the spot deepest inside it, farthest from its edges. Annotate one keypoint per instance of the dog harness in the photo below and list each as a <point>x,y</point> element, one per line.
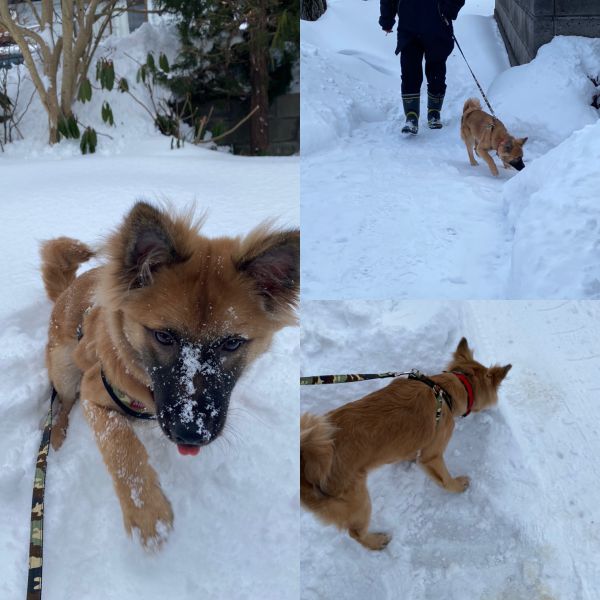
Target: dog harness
<point>441,395</point>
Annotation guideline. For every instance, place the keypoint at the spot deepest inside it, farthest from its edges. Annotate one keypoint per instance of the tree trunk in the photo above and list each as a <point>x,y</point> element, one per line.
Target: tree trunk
<point>311,10</point>
<point>259,79</point>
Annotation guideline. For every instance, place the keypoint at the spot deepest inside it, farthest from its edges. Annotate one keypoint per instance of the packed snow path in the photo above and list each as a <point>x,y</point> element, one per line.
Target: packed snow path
<point>396,216</point>
<point>527,528</point>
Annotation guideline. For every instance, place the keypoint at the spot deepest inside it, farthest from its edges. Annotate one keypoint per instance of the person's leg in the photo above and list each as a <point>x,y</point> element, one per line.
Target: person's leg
<point>437,51</point>
<point>411,63</point>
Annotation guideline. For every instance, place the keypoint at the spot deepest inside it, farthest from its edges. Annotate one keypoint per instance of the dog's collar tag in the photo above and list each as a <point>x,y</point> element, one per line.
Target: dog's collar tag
<point>124,402</point>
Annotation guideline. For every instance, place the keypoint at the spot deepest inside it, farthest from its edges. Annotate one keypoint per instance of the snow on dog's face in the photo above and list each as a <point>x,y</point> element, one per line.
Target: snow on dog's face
<point>485,380</point>
<point>197,311</point>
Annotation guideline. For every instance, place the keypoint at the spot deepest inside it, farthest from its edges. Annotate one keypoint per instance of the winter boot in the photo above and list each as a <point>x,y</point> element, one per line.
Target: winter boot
<point>434,108</point>
<point>412,105</point>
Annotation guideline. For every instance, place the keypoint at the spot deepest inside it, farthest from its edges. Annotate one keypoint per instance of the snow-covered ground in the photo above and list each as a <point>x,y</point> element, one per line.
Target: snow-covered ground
<point>411,218</point>
<point>528,528</point>
<point>236,504</point>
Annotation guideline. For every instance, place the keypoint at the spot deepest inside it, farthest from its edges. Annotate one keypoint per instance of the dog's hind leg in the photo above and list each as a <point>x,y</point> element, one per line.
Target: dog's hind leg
<point>65,377</point>
<point>360,517</point>
<point>469,143</point>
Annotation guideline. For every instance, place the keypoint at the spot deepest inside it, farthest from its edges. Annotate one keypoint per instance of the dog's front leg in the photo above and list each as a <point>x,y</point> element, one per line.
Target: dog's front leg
<point>143,503</point>
<point>436,468</point>
<point>488,159</point>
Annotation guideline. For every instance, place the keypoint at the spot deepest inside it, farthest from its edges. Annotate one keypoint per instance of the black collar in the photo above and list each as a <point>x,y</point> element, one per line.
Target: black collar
<point>123,401</point>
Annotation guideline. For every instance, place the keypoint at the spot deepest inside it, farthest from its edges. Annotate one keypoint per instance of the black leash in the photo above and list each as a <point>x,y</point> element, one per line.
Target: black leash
<point>36,535</point>
<point>467,63</point>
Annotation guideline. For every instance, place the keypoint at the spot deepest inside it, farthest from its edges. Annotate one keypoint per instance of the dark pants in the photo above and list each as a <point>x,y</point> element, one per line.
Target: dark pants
<point>436,52</point>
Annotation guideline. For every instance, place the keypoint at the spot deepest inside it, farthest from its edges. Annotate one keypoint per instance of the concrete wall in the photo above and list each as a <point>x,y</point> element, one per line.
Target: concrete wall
<point>284,124</point>
<point>526,25</point>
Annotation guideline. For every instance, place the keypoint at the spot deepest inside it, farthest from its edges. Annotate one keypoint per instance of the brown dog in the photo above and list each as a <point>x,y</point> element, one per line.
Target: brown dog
<point>164,327</point>
<point>483,132</point>
<point>396,423</point>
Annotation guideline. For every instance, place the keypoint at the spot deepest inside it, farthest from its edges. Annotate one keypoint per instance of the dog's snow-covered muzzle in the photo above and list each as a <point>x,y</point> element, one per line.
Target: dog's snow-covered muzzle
<point>518,164</point>
<point>192,396</point>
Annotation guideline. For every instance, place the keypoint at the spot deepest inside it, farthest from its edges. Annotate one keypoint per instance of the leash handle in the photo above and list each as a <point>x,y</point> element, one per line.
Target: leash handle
<point>36,535</point>
<point>324,379</point>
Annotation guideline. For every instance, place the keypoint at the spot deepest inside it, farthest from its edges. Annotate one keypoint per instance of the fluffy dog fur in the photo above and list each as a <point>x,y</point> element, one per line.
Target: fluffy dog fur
<point>483,133</point>
<point>396,423</point>
<point>172,318</point>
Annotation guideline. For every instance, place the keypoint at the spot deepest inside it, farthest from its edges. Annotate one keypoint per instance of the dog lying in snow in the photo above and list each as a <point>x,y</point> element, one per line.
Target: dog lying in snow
<point>483,133</point>
<point>164,327</point>
<point>397,423</point>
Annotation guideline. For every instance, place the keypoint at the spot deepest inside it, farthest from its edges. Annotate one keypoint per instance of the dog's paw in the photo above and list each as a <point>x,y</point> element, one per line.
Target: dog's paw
<point>474,163</point>
<point>150,515</point>
<point>376,541</point>
<point>460,484</point>
<point>57,437</point>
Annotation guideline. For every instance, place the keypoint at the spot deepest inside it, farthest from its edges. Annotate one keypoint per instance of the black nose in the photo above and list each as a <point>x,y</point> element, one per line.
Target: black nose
<point>181,434</point>
<point>517,164</point>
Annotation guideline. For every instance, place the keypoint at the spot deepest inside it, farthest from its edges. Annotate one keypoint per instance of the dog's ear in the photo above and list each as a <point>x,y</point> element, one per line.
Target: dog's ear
<point>463,352</point>
<point>497,374</point>
<point>147,242</point>
<point>272,260</point>
<point>521,141</point>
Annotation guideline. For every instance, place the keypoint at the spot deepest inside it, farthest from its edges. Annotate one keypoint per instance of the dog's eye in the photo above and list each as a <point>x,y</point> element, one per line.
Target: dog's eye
<point>164,338</point>
<point>232,344</point>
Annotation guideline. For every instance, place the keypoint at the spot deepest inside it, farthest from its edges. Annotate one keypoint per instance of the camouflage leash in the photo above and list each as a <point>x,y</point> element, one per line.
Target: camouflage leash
<point>34,583</point>
<point>441,395</point>
<point>323,379</point>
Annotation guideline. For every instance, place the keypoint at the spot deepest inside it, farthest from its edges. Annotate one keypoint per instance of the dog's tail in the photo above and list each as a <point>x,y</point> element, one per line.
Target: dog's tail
<point>60,259</point>
<point>316,457</point>
<point>470,105</point>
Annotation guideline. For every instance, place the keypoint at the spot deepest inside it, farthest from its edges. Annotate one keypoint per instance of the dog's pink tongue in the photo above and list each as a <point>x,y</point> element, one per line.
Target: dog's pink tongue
<point>188,450</point>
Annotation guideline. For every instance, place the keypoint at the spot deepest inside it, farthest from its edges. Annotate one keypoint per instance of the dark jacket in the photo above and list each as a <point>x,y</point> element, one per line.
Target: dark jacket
<point>419,17</point>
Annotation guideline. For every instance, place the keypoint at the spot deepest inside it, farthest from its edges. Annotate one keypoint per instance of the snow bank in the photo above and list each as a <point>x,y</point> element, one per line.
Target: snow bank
<point>552,207</point>
<point>132,122</point>
<point>551,96</point>
<point>527,526</point>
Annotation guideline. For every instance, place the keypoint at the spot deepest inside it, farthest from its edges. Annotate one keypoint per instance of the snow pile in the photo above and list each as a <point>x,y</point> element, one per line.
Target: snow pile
<point>550,97</point>
<point>527,526</point>
<point>236,504</point>
<point>132,121</point>
<point>553,208</point>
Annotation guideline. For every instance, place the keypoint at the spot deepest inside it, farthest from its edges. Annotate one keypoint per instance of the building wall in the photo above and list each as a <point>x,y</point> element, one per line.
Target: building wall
<point>526,25</point>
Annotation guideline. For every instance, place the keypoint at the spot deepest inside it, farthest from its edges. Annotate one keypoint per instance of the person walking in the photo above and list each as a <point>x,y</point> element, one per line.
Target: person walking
<point>424,30</point>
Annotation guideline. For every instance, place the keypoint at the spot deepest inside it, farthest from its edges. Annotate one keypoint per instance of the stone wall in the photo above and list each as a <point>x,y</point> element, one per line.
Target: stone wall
<point>284,124</point>
<point>526,25</point>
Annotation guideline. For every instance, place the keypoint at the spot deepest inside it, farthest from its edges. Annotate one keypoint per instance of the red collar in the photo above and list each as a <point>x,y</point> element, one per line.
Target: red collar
<point>467,384</point>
